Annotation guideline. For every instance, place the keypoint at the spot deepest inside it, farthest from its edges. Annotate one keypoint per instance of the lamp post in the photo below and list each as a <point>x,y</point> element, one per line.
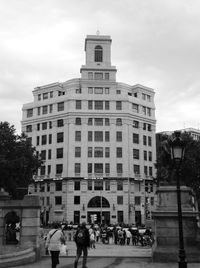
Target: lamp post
<point>177,156</point>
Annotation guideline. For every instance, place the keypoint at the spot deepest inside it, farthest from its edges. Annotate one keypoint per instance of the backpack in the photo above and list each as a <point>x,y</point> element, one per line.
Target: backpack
<point>81,237</point>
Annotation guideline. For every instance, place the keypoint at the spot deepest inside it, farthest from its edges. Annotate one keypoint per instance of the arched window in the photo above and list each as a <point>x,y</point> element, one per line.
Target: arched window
<point>96,202</point>
<point>98,54</point>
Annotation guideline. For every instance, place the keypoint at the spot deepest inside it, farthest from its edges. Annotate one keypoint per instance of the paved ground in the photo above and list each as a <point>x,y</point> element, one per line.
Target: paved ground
<point>109,256</point>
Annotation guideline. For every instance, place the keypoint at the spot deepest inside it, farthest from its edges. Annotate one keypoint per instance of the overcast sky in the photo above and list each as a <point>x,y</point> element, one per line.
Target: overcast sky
<point>155,43</point>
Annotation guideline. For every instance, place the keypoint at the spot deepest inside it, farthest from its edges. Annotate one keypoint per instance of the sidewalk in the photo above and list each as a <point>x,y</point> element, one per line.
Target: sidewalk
<point>109,256</point>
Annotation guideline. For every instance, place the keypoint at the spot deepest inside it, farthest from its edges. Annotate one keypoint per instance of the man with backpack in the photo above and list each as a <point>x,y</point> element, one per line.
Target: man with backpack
<point>82,239</point>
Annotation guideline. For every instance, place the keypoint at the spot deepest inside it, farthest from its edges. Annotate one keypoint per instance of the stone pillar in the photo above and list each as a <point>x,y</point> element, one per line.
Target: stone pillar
<point>166,225</point>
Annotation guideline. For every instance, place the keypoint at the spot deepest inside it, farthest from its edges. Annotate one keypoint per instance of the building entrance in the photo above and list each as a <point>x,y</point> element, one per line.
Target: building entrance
<point>98,212</point>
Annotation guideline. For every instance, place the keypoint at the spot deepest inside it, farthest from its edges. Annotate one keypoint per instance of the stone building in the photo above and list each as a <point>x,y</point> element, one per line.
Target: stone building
<point>97,139</point>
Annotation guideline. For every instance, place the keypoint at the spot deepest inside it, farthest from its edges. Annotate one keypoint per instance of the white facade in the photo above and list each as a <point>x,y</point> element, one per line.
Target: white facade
<point>95,132</point>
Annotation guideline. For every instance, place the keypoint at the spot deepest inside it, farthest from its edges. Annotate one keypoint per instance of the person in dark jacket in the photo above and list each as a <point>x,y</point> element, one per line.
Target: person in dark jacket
<point>82,239</point>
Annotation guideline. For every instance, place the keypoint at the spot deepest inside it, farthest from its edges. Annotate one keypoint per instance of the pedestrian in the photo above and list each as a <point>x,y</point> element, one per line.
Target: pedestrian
<point>128,236</point>
<point>54,241</point>
<point>92,240</point>
<point>82,239</point>
<point>97,233</point>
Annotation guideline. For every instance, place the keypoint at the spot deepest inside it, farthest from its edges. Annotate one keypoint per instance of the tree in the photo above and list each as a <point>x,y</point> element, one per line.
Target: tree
<point>18,161</point>
<point>190,167</point>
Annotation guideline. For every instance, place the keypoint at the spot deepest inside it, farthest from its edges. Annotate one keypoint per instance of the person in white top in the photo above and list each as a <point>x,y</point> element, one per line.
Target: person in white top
<point>55,239</point>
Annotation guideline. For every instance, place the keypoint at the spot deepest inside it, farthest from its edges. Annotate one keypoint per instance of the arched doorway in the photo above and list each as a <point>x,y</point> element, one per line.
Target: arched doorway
<point>12,228</point>
<point>98,210</point>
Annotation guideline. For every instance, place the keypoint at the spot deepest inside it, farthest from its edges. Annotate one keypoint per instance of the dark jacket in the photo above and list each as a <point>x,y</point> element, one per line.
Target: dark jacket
<point>87,237</point>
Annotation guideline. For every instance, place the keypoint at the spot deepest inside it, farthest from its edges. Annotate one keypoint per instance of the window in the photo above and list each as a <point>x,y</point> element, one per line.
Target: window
<point>77,185</point>
<point>107,152</point>
<point>107,122</point>
<point>38,140</point>
<point>98,168</point>
<point>90,105</point>
<point>50,124</point>
<point>119,168</point>
<point>29,113</point>
<point>60,137</point>
<point>98,185</point>
<point>136,138</point>
<point>136,154</point>
<point>98,121</point>
<point>78,104</point>
<point>44,125</point>
<point>78,90</point>
<point>77,151</point>
<point>60,123</point>
<point>38,110</point>
<point>107,168</point>
<point>89,135</point>
<point>49,154</point>
<point>89,168</point>
<point>135,108</point>
<point>77,199</point>
<point>50,138</point>
<point>45,96</point>
<point>29,128</point>
<point>59,152</point>
<point>149,127</point>
<point>118,91</point>
<point>145,155</point>
<point>150,171</point>
<point>119,152</point>
<point>119,185</point>
<point>59,169</point>
<point>77,135</point>
<point>50,108</point>
<point>107,90</point>
<point>90,90</point>
<point>98,105</point>
<point>90,75</point>
<point>44,139</point>
<point>90,121</point>
<point>118,105</point>
<point>98,135</point>
<point>143,96</point>
<point>60,106</point>
<point>38,127</point>
<point>144,140</point>
<point>107,105</point>
<point>39,97</point>
<point>98,76</point>
<point>135,124</point>
<point>136,169</point>
<point>129,94</point>
<point>148,98</point>
<point>107,185</point>
<point>48,187</point>
<point>152,201</point>
<point>148,111</point>
<point>42,170</point>
<point>89,151</point>
<point>149,141</point>
<point>119,200</point>
<point>98,54</point>
<point>150,156</point>
<point>119,122</point>
<point>89,185</point>
<point>58,200</point>
<point>144,126</point>
<point>144,110</point>
<point>120,216</point>
<point>137,200</point>
<point>78,121</point>
<point>106,76</point>
<point>43,154</point>
<point>51,94</point>
<point>61,93</point>
<point>58,185</point>
<point>98,151</point>
<point>145,170</point>
<point>118,136</point>
<point>77,168</point>
<point>44,109</point>
<point>107,136</point>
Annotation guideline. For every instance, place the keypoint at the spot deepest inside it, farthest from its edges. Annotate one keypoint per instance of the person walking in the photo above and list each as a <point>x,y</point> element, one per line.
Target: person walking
<point>82,240</point>
<point>55,239</point>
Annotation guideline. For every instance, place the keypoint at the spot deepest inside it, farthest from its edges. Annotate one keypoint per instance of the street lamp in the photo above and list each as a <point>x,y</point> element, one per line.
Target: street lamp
<point>177,156</point>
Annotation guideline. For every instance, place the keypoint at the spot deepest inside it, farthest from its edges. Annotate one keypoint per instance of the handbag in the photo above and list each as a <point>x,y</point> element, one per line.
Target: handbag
<point>63,250</point>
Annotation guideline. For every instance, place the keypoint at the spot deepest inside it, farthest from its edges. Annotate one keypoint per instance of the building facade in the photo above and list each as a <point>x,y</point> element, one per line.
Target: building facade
<point>96,137</point>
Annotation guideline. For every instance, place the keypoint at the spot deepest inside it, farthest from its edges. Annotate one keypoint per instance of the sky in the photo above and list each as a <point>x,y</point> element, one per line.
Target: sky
<point>155,43</point>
